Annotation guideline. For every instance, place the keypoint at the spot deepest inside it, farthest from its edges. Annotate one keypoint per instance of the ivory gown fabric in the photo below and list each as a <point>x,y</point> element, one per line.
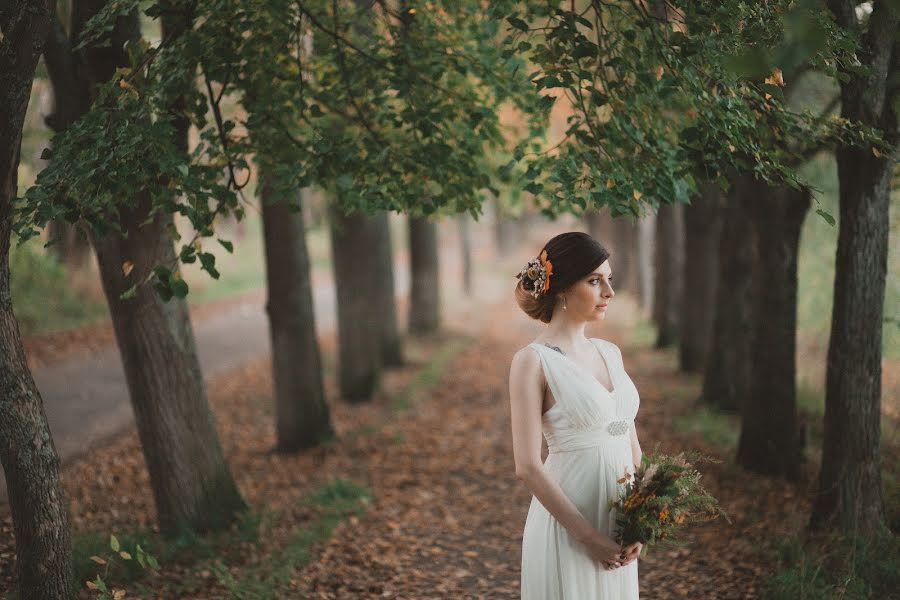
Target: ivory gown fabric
<point>589,443</point>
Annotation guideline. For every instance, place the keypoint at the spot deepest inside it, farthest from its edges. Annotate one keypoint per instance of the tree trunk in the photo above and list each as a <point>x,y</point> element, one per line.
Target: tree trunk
<point>425,295</point>
<point>384,294</point>
<point>646,239</point>
<point>359,339</point>
<point>770,441</point>
<point>40,511</point>
<point>72,248</point>
<point>191,481</point>
<point>302,417</point>
<point>623,256</point>
<point>465,245</point>
<point>850,494</point>
<point>71,99</point>
<point>668,266</point>
<point>505,229</point>
<point>726,378</point>
<point>702,224</point>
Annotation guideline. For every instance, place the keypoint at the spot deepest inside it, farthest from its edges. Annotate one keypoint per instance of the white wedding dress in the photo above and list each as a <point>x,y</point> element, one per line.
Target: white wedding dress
<point>588,437</point>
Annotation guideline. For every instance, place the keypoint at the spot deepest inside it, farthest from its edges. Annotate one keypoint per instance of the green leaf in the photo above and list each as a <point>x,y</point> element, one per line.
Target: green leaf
<point>518,23</point>
<point>828,218</point>
<point>209,264</point>
<point>227,245</point>
<point>114,543</point>
<point>129,293</point>
<point>179,288</point>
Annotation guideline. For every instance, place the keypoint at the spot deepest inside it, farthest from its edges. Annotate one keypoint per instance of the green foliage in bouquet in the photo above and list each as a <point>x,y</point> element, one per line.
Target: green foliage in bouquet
<point>662,495</point>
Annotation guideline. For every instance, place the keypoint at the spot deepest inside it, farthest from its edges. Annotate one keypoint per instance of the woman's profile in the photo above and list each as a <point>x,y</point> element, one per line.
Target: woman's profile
<point>573,391</point>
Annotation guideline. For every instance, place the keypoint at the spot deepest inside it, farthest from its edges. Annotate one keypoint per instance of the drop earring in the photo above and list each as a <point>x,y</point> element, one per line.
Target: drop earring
<point>565,306</point>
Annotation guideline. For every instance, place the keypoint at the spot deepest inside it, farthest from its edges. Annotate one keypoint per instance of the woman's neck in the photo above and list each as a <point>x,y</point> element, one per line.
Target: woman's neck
<point>565,332</point>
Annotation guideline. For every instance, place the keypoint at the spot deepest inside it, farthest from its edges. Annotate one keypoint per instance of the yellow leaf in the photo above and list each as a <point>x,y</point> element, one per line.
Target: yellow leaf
<point>876,152</point>
<point>610,184</point>
<point>98,560</point>
<point>659,72</point>
<point>125,555</point>
<point>731,148</point>
<point>470,553</point>
<point>91,585</point>
<point>118,594</point>
<point>776,78</point>
<point>604,114</point>
<point>127,267</point>
<point>637,195</point>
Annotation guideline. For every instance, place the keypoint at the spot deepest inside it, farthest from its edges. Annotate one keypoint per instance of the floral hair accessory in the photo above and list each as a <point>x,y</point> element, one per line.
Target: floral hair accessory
<point>535,275</point>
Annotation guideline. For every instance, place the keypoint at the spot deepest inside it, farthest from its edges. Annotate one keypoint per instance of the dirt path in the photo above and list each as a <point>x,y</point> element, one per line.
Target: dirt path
<point>449,518</point>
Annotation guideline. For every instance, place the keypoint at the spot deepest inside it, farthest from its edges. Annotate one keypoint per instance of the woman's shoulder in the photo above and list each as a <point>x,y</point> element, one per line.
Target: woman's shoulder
<point>609,345</point>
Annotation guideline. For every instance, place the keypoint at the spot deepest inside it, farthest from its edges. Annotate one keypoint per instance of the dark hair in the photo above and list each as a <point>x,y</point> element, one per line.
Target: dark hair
<point>572,255</point>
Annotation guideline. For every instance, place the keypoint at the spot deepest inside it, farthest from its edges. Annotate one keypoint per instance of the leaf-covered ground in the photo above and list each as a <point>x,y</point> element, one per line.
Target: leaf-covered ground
<point>446,511</point>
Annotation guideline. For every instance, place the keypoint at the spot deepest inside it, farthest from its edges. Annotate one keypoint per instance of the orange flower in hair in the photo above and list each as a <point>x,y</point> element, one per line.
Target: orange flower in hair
<point>548,267</point>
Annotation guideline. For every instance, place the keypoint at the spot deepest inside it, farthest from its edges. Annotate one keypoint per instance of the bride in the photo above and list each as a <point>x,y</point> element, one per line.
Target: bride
<point>574,391</point>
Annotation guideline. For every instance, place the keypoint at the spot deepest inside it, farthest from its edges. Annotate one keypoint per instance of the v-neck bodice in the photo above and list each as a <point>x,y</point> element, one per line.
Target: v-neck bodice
<point>582,403</point>
<point>606,363</point>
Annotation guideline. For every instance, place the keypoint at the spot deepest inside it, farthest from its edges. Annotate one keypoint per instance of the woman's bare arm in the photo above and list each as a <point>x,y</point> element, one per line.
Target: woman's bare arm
<point>526,399</point>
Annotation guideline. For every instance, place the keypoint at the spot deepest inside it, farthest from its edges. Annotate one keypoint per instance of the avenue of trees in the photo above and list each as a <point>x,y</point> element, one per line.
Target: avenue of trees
<point>679,108</point>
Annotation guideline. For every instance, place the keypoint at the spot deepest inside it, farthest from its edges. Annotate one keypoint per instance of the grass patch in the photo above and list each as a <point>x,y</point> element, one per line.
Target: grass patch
<point>429,375</point>
<point>837,570</point>
<point>336,500</point>
<point>716,428</point>
<point>187,547</point>
<point>42,294</point>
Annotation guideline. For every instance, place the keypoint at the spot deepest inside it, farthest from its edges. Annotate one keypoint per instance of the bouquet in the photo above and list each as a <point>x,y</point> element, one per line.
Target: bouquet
<point>662,495</point>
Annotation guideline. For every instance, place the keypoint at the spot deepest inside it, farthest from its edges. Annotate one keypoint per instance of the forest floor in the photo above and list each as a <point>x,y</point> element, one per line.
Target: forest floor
<point>442,512</point>
<point>417,498</point>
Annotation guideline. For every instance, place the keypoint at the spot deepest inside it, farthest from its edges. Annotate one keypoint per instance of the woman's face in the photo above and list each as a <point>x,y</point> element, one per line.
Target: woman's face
<point>588,297</point>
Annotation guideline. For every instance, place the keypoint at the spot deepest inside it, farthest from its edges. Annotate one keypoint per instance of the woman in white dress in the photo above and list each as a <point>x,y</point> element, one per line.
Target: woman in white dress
<point>574,391</point>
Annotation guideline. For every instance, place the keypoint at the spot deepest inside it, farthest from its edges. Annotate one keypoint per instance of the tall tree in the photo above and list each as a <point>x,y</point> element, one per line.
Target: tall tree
<point>353,237</point>
<point>302,415</point>
<point>465,246</point>
<point>425,289</point>
<point>192,484</point>
<point>646,248</point>
<point>37,503</point>
<point>726,379</point>
<point>71,99</point>
<point>849,494</point>
<point>702,225</point>
<point>624,255</point>
<point>770,440</point>
<point>668,267</point>
<point>383,294</point>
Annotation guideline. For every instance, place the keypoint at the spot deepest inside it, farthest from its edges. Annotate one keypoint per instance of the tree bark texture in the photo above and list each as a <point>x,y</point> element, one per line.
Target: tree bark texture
<point>425,296</point>
<point>465,246</point>
<point>192,484</point>
<point>37,504</point>
<point>353,237</point>
<point>302,416</point>
<point>770,440</point>
<point>383,292</point>
<point>624,256</point>
<point>726,378</point>
<point>669,267</point>
<point>646,247</point>
<point>850,495</point>
<point>702,226</point>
